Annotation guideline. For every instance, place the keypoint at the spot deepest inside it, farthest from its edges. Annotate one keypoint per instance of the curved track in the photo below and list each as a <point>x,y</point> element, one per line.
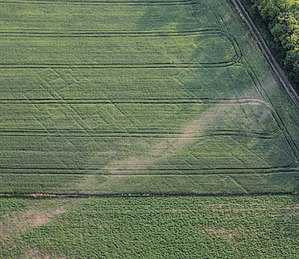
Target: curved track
<point>280,74</point>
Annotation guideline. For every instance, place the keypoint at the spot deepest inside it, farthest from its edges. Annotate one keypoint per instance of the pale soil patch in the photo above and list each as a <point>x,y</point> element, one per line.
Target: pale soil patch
<point>36,254</point>
<point>165,148</point>
<point>42,219</point>
<point>33,217</point>
<point>87,183</point>
<point>160,151</point>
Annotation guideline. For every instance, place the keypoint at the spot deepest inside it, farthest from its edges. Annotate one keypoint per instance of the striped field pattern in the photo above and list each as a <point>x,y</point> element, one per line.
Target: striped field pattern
<point>140,97</point>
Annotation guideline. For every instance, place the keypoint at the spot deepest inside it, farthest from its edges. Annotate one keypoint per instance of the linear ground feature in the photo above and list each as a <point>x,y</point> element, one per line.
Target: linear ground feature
<point>140,97</point>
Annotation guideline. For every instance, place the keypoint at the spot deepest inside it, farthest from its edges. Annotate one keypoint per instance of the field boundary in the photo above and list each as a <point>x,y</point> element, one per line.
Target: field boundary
<point>291,168</point>
<point>278,71</point>
<point>7,195</point>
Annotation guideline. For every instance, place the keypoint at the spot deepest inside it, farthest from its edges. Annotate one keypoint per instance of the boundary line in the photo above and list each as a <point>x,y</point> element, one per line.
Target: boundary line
<point>204,171</point>
<point>278,71</point>
<point>28,195</point>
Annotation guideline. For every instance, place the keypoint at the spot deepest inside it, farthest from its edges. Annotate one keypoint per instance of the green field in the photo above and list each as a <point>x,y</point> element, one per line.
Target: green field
<point>139,97</point>
<point>152,227</point>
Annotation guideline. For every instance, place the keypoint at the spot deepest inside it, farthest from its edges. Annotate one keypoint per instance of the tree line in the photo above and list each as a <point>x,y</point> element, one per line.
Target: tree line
<point>282,17</point>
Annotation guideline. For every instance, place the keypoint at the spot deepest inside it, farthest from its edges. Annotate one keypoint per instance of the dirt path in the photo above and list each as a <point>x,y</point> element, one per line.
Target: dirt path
<point>278,71</point>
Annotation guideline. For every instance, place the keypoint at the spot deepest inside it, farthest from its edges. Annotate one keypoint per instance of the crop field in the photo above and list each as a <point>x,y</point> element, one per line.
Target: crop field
<point>151,227</point>
<point>149,96</point>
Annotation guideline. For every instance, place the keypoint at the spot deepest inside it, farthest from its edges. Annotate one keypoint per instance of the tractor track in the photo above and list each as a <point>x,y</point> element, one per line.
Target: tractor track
<point>125,172</point>
<point>278,71</point>
<point>101,2</point>
<point>24,195</point>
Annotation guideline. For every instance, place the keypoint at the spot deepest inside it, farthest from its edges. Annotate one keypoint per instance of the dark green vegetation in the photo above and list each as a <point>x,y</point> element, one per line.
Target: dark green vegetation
<point>182,227</point>
<point>139,97</point>
<point>282,18</point>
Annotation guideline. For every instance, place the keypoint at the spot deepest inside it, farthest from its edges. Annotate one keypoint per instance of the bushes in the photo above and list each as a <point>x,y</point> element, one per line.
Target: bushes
<point>282,17</point>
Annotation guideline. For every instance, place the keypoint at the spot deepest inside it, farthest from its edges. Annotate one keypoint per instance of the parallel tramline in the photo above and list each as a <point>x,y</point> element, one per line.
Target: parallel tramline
<point>141,97</point>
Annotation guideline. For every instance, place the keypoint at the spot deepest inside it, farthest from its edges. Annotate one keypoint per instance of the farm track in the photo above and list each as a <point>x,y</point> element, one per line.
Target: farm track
<point>274,66</point>
<point>152,194</point>
<point>278,71</point>
<point>276,115</point>
<point>176,171</point>
<point>162,171</point>
<point>100,2</point>
<point>178,100</point>
<point>62,133</point>
<point>292,144</point>
<point>141,34</point>
<point>119,66</point>
<point>106,33</point>
<point>135,133</point>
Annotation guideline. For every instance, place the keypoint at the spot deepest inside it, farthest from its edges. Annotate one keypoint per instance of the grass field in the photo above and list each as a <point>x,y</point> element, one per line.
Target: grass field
<point>152,227</point>
<point>139,97</point>
<point>142,98</point>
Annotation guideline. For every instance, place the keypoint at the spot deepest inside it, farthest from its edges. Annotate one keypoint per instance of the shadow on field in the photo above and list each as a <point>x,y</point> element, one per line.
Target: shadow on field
<point>175,16</point>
